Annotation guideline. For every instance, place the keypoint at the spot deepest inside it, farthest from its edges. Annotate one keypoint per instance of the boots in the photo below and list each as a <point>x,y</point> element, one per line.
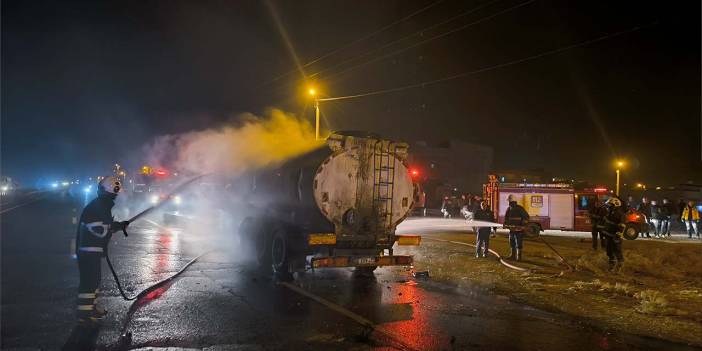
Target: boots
<point>519,254</point>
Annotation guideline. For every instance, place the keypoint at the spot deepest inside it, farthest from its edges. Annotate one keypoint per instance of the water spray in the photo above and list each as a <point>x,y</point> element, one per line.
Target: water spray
<point>125,338</point>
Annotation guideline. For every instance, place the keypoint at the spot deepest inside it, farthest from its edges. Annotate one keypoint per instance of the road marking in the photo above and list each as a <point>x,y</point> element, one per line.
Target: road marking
<point>20,205</point>
<point>357,318</point>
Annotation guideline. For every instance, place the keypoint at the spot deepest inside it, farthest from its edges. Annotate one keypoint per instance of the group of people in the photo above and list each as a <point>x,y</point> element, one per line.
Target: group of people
<point>515,219</point>
<point>660,216</point>
<point>465,205</point>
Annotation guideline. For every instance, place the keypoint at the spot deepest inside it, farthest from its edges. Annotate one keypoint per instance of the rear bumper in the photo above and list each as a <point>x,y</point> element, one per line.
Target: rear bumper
<point>360,261</point>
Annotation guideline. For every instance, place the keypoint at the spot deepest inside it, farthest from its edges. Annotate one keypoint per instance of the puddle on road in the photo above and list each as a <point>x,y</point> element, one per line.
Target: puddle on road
<point>432,316</point>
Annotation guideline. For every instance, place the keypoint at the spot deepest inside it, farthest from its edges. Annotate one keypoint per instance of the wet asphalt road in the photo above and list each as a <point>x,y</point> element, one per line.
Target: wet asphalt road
<point>221,303</point>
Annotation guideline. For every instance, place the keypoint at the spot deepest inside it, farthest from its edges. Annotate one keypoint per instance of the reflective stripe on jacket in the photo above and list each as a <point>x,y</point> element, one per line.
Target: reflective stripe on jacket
<point>690,213</point>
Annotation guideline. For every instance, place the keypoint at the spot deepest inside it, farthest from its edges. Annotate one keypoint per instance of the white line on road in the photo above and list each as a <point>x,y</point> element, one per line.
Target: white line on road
<point>20,205</point>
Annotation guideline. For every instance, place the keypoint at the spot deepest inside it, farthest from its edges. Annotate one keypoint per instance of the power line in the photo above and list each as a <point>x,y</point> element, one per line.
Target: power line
<point>490,68</point>
<point>378,31</point>
<point>370,52</point>
<point>460,28</point>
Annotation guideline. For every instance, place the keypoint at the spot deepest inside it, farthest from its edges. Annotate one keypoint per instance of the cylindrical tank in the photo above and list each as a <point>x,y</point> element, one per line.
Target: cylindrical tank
<point>357,186</point>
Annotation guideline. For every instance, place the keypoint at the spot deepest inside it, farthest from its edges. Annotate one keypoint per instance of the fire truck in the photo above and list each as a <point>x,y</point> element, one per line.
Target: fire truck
<point>558,206</point>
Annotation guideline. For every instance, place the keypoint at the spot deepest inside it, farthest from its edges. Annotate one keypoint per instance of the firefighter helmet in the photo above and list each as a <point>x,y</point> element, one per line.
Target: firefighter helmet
<point>111,185</point>
<point>613,201</point>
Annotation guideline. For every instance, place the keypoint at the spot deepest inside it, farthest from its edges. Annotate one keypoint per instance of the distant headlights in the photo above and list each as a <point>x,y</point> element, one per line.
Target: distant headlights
<point>154,199</point>
<point>177,200</point>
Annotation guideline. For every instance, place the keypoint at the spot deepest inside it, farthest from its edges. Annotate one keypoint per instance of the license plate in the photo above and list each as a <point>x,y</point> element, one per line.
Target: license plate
<point>365,260</point>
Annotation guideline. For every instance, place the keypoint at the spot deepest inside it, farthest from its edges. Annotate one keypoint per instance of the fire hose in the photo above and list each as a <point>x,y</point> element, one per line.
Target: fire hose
<point>533,230</point>
<point>134,218</point>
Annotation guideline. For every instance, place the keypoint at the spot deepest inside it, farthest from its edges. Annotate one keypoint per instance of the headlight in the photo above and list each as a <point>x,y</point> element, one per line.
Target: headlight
<point>154,199</point>
<point>177,200</point>
<point>5,188</point>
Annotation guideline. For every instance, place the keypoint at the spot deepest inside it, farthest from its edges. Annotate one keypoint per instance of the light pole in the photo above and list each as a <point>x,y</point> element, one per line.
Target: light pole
<point>620,164</point>
<point>313,93</point>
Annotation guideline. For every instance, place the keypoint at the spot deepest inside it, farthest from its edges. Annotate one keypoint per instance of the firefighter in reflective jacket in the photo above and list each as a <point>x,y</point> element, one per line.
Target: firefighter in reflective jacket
<point>516,217</point>
<point>613,228</point>
<point>94,233</point>
<point>597,213</point>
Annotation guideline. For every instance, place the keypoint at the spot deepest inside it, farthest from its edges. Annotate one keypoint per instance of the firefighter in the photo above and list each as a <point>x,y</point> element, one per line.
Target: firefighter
<point>483,233</point>
<point>515,219</point>
<point>613,228</point>
<point>597,213</point>
<point>94,233</point>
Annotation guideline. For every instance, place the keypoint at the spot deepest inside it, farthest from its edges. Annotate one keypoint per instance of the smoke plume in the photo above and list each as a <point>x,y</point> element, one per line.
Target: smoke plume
<point>253,143</point>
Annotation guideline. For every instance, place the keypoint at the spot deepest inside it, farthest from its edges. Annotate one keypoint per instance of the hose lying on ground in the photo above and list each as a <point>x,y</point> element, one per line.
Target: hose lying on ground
<point>153,286</point>
<point>499,258</point>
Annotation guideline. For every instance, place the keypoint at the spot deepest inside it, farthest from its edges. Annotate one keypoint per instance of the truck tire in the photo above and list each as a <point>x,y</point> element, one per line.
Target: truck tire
<point>631,231</point>
<point>280,250</point>
<point>262,247</point>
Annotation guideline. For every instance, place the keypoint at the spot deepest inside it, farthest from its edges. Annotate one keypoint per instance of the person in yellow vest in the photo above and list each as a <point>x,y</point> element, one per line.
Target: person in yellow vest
<point>690,216</point>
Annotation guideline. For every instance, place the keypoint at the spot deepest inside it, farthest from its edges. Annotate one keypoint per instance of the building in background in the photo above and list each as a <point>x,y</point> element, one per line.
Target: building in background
<point>450,169</point>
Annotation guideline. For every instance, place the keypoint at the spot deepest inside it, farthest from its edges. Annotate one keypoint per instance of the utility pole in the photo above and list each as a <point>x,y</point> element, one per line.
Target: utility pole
<point>316,119</point>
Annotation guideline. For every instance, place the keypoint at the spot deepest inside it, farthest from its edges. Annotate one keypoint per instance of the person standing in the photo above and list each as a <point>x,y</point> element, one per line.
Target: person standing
<point>665,213</point>
<point>597,213</point>
<point>516,217</point>
<point>655,217</point>
<point>645,209</point>
<point>94,233</point>
<point>482,242</point>
<point>445,207</point>
<point>690,216</point>
<point>613,228</point>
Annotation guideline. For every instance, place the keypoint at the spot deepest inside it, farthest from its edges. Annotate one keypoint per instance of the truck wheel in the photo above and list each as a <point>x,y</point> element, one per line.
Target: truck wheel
<point>262,248</point>
<point>280,254</point>
<point>631,232</point>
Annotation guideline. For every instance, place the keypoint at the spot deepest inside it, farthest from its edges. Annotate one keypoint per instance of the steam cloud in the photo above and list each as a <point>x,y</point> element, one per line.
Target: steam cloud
<point>233,149</point>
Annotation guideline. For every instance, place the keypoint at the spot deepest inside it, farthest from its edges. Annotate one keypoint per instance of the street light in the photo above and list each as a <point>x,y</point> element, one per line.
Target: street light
<point>313,94</point>
<point>620,164</point>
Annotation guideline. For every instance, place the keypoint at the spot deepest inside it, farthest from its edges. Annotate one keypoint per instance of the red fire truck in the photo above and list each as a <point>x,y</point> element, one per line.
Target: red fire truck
<point>555,205</point>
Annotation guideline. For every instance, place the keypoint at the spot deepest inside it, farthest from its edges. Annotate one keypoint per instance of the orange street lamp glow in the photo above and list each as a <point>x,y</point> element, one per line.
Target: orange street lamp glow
<point>620,164</point>
<point>312,92</point>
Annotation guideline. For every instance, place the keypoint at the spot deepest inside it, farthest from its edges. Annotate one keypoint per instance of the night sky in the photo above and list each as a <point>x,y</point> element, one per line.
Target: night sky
<point>85,85</point>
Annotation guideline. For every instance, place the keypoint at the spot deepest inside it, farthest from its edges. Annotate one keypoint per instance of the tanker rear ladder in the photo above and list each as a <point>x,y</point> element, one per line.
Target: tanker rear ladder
<point>383,183</point>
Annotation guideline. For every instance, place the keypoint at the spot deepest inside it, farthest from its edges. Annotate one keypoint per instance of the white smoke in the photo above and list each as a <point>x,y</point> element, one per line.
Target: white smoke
<point>233,149</point>
<point>214,205</point>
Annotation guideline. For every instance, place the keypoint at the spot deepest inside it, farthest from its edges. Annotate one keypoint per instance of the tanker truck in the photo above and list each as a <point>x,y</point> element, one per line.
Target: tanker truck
<point>335,206</point>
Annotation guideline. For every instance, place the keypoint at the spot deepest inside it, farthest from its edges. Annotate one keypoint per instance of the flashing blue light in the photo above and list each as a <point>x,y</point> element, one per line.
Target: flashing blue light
<point>54,185</point>
<point>88,188</point>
